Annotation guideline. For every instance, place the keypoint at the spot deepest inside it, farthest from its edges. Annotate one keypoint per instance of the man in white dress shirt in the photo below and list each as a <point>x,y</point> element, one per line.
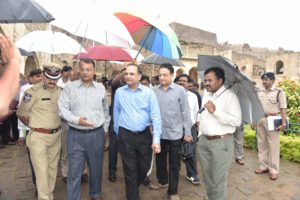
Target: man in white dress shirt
<point>218,122</point>
<point>191,163</point>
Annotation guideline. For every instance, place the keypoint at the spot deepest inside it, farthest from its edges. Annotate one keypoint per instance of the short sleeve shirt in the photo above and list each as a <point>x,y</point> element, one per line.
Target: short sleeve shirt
<point>272,100</point>
<point>40,104</point>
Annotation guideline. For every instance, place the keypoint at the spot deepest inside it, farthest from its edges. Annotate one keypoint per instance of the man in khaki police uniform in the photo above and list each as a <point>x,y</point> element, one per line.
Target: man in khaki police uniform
<point>39,110</point>
<point>274,103</point>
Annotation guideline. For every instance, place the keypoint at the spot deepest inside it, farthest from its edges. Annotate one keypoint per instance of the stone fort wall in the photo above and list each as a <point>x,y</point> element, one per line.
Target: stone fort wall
<point>251,60</point>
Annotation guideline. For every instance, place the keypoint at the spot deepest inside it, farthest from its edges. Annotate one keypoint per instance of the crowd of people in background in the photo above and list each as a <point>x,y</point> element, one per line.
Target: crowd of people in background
<point>63,116</point>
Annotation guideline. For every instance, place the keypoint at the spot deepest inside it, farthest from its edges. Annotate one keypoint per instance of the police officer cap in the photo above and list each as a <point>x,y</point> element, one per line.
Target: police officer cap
<point>269,75</point>
<point>34,72</point>
<point>66,68</point>
<point>52,71</point>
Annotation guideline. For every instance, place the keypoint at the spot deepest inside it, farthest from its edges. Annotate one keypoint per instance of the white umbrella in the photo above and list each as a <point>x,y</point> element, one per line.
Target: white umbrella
<point>90,19</point>
<point>49,42</point>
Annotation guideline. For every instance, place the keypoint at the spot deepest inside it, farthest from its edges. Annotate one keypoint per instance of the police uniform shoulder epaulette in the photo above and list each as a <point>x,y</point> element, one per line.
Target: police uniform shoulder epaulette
<point>37,87</point>
<point>276,88</point>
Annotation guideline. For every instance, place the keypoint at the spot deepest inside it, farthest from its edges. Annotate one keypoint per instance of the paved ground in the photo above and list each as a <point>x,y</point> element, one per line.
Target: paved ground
<point>15,181</point>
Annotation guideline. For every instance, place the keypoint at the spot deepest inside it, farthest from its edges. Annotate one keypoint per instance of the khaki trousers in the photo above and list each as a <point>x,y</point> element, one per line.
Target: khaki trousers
<point>44,153</point>
<point>268,143</point>
<point>64,156</point>
<point>216,158</point>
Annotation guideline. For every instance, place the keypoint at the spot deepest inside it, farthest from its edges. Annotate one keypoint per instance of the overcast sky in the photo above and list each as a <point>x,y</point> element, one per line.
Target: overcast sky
<point>260,23</point>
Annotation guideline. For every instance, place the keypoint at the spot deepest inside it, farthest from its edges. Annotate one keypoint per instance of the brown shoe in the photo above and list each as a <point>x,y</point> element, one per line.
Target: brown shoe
<point>240,161</point>
<point>261,171</point>
<point>273,177</point>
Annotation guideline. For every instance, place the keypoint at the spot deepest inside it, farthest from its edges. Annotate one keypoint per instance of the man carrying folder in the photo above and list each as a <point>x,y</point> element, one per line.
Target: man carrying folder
<point>274,103</point>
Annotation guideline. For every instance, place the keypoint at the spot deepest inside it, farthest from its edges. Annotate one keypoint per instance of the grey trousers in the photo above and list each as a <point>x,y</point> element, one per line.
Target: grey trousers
<point>239,142</point>
<point>216,156</point>
<point>83,147</point>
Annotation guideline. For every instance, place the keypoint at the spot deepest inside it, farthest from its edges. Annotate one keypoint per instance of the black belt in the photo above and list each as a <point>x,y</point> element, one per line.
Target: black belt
<point>136,132</point>
<point>85,130</point>
<point>215,137</point>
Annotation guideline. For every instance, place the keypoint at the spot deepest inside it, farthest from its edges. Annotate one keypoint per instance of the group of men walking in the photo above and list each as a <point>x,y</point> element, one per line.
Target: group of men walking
<point>145,121</point>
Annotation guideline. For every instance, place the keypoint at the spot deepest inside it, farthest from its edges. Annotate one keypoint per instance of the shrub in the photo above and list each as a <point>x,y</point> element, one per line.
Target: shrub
<point>289,144</point>
<point>292,90</point>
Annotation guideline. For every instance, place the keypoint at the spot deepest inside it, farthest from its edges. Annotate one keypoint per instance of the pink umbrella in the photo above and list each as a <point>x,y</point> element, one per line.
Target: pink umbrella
<point>105,53</point>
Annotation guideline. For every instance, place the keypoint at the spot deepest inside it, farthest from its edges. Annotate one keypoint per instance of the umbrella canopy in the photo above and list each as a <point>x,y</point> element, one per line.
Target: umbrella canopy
<point>23,11</point>
<point>89,19</point>
<point>49,42</point>
<point>25,53</point>
<point>251,107</point>
<point>105,53</point>
<point>151,33</point>
<point>158,60</point>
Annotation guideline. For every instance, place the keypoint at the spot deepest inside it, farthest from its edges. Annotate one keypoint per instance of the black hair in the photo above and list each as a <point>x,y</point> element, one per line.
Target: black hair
<point>145,77</point>
<point>183,75</point>
<point>88,61</point>
<point>66,68</point>
<point>219,72</point>
<point>167,66</point>
<point>34,72</point>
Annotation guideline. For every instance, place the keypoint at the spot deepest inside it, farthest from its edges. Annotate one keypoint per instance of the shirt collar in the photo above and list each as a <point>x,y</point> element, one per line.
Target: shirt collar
<point>272,88</point>
<point>140,87</point>
<point>218,92</point>
<point>80,83</point>
<point>170,86</point>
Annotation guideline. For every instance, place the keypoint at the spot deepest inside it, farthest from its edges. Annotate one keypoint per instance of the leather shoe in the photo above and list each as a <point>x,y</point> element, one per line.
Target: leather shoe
<point>240,161</point>
<point>85,178</point>
<point>261,171</point>
<point>146,181</point>
<point>112,178</point>
<point>273,177</point>
<point>64,179</point>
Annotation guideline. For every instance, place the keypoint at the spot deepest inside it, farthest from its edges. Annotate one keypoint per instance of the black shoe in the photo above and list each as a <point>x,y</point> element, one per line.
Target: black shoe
<point>112,178</point>
<point>64,179</point>
<point>146,181</point>
<point>85,178</point>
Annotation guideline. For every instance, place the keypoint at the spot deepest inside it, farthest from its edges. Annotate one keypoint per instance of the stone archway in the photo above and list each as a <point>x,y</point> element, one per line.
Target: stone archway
<point>279,66</point>
<point>193,74</point>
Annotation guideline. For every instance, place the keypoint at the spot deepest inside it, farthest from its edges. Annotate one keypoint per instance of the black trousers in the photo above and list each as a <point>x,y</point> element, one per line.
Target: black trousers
<point>113,150</point>
<point>171,146</point>
<point>191,163</point>
<point>11,123</point>
<point>136,153</point>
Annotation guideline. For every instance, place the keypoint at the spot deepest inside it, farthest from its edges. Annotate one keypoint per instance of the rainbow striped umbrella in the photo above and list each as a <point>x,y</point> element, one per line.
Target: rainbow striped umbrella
<point>152,34</point>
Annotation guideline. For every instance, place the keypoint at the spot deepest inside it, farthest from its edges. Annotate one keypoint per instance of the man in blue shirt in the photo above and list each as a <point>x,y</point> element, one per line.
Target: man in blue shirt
<point>135,108</point>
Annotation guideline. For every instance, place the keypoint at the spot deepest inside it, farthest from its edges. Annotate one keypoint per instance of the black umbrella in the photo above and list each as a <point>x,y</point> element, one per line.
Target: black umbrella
<point>251,107</point>
<point>158,60</point>
<point>23,52</point>
<point>23,11</point>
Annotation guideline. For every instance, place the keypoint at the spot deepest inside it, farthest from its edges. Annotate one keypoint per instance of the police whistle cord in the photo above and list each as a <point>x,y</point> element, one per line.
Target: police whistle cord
<point>203,108</point>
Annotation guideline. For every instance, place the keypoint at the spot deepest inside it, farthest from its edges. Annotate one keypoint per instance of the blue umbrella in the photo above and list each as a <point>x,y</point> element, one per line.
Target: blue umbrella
<point>150,33</point>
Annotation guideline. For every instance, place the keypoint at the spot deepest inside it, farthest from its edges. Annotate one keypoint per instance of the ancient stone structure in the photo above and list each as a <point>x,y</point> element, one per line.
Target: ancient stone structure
<point>252,61</point>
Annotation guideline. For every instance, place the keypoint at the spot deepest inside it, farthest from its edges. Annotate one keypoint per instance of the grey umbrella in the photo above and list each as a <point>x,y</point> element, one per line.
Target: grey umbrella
<point>251,107</point>
<point>158,60</point>
<point>23,11</point>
